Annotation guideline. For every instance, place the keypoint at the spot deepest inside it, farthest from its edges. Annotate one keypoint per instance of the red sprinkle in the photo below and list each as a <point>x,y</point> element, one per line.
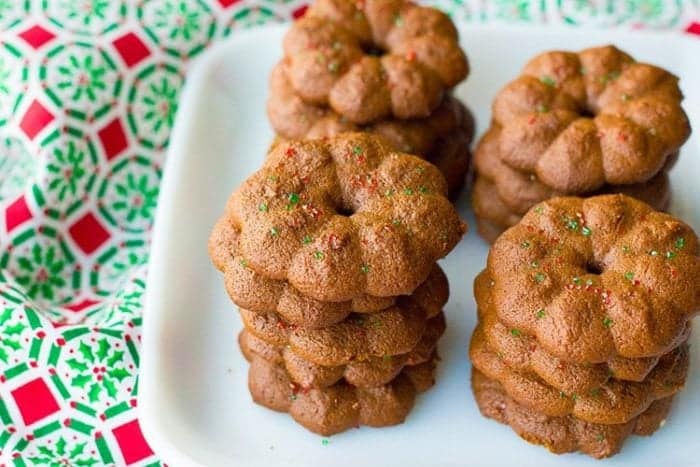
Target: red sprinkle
<point>411,55</point>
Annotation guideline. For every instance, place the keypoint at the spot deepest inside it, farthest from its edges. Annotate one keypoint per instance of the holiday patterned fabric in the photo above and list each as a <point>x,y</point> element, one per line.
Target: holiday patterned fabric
<point>88,94</point>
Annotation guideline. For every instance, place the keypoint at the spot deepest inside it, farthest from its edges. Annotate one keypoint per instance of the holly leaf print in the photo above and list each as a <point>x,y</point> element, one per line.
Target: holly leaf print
<point>118,373</point>
<point>87,462</point>
<point>77,450</point>
<point>94,394</point>
<point>45,451</point>
<point>13,344</point>
<point>109,387</point>
<point>76,364</point>
<point>61,446</point>
<point>102,349</point>
<point>3,355</point>
<point>40,460</point>
<point>116,357</point>
<point>14,330</point>
<point>87,352</point>
<point>5,316</point>
<point>80,381</point>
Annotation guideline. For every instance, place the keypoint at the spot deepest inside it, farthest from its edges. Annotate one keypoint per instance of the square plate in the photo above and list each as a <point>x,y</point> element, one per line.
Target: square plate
<point>194,403</point>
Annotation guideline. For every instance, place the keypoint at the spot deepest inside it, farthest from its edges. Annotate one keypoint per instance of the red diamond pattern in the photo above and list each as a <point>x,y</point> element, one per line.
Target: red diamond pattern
<point>88,233</point>
<point>693,28</point>
<point>131,442</point>
<point>35,401</point>
<point>17,213</point>
<point>113,138</point>
<point>131,48</point>
<point>228,3</point>
<point>36,36</point>
<point>35,119</point>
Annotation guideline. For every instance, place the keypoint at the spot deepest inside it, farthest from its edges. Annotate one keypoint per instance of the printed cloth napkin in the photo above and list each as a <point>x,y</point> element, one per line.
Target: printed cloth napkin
<point>89,91</point>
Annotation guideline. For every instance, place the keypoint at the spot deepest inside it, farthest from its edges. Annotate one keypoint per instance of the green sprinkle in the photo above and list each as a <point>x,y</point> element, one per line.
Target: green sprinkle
<point>515,332</point>
<point>629,275</point>
<point>583,70</point>
<point>548,80</point>
<point>542,108</point>
<point>680,243</point>
<point>407,191</point>
<point>306,240</point>
<point>670,254</point>
<point>571,224</point>
<point>626,249</point>
<point>562,394</point>
<point>539,209</point>
<point>274,231</point>
<point>357,150</point>
<point>319,255</point>
<point>273,178</point>
<point>625,97</point>
<point>293,397</point>
<point>243,263</point>
<point>574,396</point>
<point>540,313</point>
<point>540,277</point>
<point>607,322</point>
<point>386,358</point>
<point>324,442</point>
<point>577,280</point>
<point>589,281</point>
<point>586,231</point>
<point>262,207</point>
<point>396,222</point>
<point>600,437</point>
<point>595,392</point>
<point>389,192</point>
<point>420,170</point>
<point>365,268</point>
<point>333,67</point>
<point>423,189</point>
<point>398,21</point>
<point>534,264</point>
<point>293,198</point>
<point>525,244</point>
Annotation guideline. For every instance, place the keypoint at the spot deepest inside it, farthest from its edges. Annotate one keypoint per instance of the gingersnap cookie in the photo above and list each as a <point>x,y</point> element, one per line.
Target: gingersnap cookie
<point>373,59</point>
<point>339,407</point>
<point>523,354</point>
<point>597,278</point>
<point>343,218</point>
<point>564,434</point>
<point>259,294</point>
<point>578,121</point>
<point>372,372</point>
<point>612,402</point>
<point>442,138</point>
<point>393,331</point>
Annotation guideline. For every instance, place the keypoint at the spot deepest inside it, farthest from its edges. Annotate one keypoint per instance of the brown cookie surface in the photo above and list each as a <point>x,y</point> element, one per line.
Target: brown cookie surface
<point>373,59</point>
<point>339,407</point>
<point>564,434</point>
<point>343,218</point>
<point>612,276</point>
<point>374,371</point>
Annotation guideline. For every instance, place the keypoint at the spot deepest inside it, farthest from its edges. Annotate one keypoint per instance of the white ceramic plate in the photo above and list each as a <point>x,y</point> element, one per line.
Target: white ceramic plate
<point>194,402</point>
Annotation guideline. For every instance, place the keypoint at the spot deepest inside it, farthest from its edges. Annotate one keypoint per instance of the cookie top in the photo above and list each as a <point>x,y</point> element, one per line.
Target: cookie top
<point>523,353</point>
<point>374,58</point>
<point>597,278</point>
<point>580,120</point>
<point>345,217</point>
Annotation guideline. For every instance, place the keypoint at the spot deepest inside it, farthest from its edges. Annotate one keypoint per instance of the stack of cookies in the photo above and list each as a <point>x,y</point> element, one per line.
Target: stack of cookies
<point>330,252</point>
<point>377,66</point>
<point>578,124</point>
<point>584,315</point>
